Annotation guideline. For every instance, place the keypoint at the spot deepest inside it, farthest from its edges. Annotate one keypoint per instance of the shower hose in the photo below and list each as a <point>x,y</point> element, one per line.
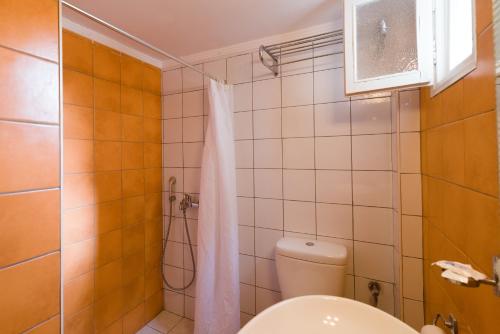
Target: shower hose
<point>183,207</point>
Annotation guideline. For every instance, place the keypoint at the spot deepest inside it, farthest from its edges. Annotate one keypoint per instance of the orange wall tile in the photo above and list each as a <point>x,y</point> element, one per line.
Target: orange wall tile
<point>32,85</point>
<point>460,187</point>
<point>22,217</point>
<point>29,155</point>
<point>30,293</point>
<point>31,26</point>
<point>113,202</point>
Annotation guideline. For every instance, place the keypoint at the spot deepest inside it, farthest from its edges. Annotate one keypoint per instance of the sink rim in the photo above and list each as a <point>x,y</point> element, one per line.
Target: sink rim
<point>365,306</point>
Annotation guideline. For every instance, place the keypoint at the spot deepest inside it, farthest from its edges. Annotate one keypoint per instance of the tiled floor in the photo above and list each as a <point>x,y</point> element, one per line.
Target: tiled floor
<point>170,323</point>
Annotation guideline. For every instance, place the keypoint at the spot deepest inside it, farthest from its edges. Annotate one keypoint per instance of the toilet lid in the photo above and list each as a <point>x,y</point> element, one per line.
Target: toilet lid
<point>312,250</point>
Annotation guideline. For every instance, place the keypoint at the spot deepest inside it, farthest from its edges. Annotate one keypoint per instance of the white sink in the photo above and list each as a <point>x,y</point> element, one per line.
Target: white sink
<point>322,315</point>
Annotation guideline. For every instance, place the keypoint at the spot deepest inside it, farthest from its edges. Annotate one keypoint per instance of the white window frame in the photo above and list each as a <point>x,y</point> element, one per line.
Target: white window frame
<point>420,77</point>
<point>441,51</point>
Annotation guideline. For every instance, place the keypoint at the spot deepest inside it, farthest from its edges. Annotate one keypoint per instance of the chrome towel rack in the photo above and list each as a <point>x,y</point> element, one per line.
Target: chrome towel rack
<point>274,56</point>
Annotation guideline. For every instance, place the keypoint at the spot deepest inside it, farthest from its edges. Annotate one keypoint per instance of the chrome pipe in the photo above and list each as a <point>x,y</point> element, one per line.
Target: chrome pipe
<point>138,40</point>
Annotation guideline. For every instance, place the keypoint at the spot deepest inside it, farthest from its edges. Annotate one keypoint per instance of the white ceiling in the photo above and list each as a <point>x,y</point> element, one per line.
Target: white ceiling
<point>185,27</point>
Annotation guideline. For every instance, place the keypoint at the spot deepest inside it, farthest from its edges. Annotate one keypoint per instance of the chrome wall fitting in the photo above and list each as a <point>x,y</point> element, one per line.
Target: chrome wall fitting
<point>188,202</point>
<point>375,289</point>
<point>450,323</point>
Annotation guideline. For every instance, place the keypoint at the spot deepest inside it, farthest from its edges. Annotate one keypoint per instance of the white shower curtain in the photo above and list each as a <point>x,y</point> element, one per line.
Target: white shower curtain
<point>217,306</point>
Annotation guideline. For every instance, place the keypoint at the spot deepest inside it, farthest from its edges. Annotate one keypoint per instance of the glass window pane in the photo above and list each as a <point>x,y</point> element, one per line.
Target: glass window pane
<point>386,38</point>
<point>460,31</point>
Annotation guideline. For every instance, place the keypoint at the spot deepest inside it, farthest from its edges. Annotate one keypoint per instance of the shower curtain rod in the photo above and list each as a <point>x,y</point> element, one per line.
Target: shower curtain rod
<point>138,40</point>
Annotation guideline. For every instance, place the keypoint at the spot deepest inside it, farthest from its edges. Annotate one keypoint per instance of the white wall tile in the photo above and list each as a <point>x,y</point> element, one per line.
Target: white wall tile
<point>269,213</point>
<point>371,116</point>
<point>334,220</point>
<point>192,180</point>
<point>192,129</point>
<point>329,86</point>
<point>244,153</point>
<point>245,318</point>
<point>247,298</point>
<point>413,278</point>
<point>413,313</point>
<point>333,152</point>
<point>246,240</point>
<point>193,153</point>
<point>172,131</point>
<point>298,185</point>
<point>373,225</point>
<point>409,104</point>
<point>172,155</point>
<point>410,152</point>
<point>188,264</point>
<point>386,297</point>
<point>246,211</point>
<point>298,153</point>
<point>322,62</point>
<point>267,123</point>
<point>247,269</point>
<point>266,276</point>
<point>300,217</point>
<point>412,236</point>
<point>298,121</point>
<point>176,231</point>
<point>243,125</point>
<point>333,119</point>
<point>303,66</point>
<point>349,286</point>
<point>267,94</point>
<point>174,302</point>
<point>192,103</point>
<point>372,188</point>
<point>374,261</point>
<point>191,79</point>
<point>265,298</point>
<point>269,183</point>
<point>244,182</point>
<point>172,106</point>
<point>189,306</point>
<point>372,152</point>
<point>239,69</point>
<point>411,194</point>
<point>172,81</point>
<point>173,255</point>
<point>268,153</point>
<point>297,90</point>
<point>333,186</point>
<point>243,97</point>
<point>265,242</point>
<point>216,68</point>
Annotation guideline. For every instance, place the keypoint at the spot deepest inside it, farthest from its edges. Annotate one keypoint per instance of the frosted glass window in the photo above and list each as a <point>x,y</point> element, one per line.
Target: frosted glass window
<point>386,38</point>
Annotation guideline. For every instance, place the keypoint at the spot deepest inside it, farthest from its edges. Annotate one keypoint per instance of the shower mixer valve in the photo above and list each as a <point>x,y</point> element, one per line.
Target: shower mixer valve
<point>188,202</point>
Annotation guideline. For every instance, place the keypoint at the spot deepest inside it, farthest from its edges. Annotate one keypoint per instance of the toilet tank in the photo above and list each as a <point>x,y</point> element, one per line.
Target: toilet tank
<point>310,267</point>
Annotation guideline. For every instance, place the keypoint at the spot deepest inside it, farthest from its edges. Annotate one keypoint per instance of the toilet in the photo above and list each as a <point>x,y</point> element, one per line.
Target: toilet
<point>310,267</point>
